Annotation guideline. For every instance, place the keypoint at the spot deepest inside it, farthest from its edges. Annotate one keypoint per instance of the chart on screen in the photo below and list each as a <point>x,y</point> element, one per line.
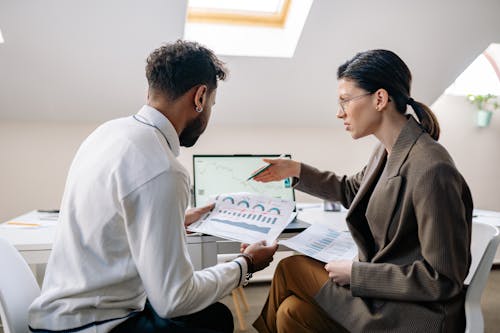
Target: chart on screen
<point>230,174</point>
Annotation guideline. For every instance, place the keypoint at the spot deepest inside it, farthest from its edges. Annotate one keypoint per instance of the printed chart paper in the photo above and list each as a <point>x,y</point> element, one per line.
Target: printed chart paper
<point>323,243</point>
<point>246,217</point>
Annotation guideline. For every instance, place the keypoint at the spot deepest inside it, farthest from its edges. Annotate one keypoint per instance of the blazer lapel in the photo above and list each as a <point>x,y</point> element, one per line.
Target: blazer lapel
<point>381,208</point>
<point>384,200</point>
<point>405,141</point>
<point>390,178</point>
<point>372,170</point>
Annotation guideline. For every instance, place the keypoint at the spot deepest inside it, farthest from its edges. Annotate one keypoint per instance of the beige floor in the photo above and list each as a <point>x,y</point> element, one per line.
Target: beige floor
<point>257,294</point>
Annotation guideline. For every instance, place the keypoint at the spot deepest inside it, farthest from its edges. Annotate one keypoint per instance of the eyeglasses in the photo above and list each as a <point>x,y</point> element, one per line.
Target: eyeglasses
<point>344,103</point>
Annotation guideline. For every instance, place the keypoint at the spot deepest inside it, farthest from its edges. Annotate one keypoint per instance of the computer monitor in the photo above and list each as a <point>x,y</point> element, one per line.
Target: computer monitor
<point>215,174</point>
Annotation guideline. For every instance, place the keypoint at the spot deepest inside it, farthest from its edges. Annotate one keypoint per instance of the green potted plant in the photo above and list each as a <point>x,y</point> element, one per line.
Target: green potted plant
<point>485,105</point>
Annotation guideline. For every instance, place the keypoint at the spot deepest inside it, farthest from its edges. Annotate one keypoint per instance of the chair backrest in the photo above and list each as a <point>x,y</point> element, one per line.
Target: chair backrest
<point>484,243</point>
<point>18,289</point>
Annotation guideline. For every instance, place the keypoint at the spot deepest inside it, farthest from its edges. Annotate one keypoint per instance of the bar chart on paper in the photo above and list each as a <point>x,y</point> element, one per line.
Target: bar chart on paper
<point>323,243</point>
<point>246,217</point>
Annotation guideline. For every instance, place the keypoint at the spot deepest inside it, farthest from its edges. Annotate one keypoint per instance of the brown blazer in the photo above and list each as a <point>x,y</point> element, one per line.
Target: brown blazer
<point>410,215</point>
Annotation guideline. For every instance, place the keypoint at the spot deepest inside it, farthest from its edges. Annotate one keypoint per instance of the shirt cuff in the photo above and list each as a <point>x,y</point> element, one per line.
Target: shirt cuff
<point>244,271</point>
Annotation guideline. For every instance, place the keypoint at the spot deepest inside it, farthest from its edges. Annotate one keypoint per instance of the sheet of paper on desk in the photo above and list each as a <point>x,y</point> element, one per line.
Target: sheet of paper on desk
<point>24,224</point>
<point>32,220</point>
<point>246,217</point>
<point>323,243</point>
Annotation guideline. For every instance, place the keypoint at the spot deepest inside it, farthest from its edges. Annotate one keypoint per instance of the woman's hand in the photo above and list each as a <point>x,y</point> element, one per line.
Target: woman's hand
<point>339,271</point>
<point>194,214</point>
<point>280,169</point>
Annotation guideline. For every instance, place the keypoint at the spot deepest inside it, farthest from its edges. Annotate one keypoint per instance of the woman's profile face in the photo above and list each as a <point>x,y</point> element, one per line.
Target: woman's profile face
<point>357,109</point>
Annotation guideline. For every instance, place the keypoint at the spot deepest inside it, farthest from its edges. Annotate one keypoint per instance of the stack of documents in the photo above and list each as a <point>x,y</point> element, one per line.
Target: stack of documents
<point>250,218</point>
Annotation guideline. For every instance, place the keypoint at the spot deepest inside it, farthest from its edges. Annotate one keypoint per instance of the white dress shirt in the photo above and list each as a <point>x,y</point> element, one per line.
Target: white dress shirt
<point>121,236</point>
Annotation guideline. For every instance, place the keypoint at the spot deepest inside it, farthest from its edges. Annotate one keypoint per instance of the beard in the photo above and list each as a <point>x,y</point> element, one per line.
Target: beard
<point>192,132</point>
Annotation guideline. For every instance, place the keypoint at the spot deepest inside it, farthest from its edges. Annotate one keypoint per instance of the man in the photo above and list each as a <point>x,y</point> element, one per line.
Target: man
<point>120,262</point>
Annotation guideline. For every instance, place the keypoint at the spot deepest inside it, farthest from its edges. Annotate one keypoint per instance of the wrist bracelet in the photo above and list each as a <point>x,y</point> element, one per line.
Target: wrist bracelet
<point>249,259</point>
<point>241,273</point>
<point>248,276</point>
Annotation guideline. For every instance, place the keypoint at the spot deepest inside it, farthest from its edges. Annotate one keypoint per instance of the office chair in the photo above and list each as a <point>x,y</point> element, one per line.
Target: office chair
<point>484,243</point>
<point>18,288</point>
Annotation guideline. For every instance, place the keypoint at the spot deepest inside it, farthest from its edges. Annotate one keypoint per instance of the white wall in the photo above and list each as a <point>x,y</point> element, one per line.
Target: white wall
<point>34,160</point>
<point>476,151</point>
<point>35,156</point>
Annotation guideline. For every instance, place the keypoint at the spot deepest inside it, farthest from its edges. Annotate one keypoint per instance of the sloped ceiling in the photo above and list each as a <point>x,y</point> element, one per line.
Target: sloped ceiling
<point>84,60</point>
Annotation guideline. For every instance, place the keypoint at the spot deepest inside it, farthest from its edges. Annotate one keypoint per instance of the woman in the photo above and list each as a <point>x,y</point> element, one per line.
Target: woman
<point>410,213</point>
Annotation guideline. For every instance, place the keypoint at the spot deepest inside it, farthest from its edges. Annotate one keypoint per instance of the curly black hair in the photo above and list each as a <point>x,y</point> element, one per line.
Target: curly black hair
<point>174,68</point>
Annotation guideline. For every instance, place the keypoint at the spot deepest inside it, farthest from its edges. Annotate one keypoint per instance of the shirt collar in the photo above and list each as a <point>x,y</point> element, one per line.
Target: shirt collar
<point>158,120</point>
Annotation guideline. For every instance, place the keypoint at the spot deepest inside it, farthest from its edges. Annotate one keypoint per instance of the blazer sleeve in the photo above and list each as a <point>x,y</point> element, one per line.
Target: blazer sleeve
<point>328,185</point>
<point>443,211</point>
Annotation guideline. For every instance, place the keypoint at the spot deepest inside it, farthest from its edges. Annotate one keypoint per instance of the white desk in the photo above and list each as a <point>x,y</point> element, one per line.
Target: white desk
<point>35,244</point>
<point>487,216</point>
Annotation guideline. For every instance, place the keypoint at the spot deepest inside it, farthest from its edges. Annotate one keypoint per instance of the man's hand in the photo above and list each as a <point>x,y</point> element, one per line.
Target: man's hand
<point>243,246</point>
<point>340,271</point>
<point>262,255</point>
<point>194,214</point>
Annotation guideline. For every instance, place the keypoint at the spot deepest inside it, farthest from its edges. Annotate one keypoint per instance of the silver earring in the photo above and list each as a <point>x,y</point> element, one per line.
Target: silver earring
<point>199,109</point>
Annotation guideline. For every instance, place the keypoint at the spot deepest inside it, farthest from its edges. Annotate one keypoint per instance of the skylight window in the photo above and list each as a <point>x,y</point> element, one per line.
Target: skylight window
<point>247,27</point>
<point>237,6</point>
<point>481,77</point>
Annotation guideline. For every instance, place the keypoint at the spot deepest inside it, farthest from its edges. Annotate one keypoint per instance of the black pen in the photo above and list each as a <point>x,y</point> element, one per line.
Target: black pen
<point>49,211</point>
<point>264,168</point>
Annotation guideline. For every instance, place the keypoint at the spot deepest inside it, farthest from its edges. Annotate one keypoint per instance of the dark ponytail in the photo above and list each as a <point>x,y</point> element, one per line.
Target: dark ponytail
<point>426,117</point>
<point>383,69</point>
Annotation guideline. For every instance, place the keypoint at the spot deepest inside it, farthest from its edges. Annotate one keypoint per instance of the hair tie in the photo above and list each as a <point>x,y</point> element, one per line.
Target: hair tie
<point>415,107</point>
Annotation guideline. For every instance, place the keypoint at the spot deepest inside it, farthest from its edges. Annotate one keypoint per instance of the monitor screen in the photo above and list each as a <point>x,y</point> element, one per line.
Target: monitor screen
<point>215,174</point>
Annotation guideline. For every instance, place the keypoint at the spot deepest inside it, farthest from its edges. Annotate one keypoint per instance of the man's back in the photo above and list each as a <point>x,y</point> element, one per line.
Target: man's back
<point>91,266</point>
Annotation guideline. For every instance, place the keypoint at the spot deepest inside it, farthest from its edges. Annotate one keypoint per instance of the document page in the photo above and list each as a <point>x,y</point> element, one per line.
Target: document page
<point>246,217</point>
<point>323,243</point>
<point>32,220</point>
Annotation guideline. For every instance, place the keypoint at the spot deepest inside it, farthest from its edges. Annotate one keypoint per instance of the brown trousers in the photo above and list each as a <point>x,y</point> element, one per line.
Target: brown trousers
<point>290,307</point>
